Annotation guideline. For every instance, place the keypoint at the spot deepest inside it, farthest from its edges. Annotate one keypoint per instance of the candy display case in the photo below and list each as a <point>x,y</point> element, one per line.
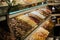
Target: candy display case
<point>27,22</point>
<point>24,24</point>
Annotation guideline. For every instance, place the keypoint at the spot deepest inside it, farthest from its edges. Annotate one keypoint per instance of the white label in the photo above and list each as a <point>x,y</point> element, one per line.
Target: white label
<point>38,14</point>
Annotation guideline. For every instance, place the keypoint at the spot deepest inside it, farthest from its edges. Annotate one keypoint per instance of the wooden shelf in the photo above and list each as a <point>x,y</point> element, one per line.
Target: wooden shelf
<point>53,3</point>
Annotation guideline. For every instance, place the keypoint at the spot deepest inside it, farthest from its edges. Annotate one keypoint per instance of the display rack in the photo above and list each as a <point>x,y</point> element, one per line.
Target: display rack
<point>54,15</point>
